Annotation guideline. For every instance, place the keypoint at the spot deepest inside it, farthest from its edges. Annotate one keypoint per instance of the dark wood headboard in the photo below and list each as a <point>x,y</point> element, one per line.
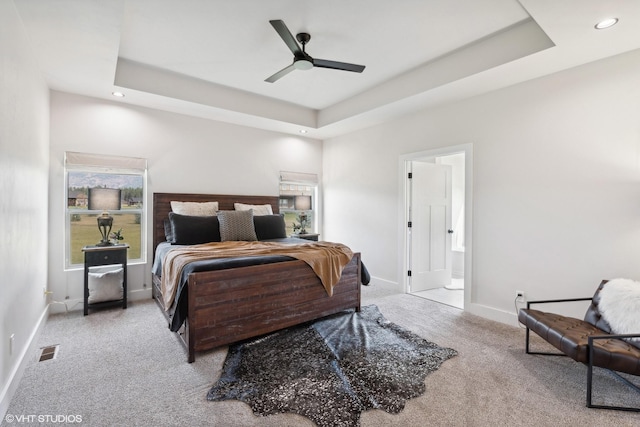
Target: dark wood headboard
<point>162,207</point>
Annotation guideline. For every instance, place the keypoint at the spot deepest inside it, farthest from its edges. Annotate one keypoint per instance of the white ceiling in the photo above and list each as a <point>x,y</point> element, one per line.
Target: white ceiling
<point>209,58</point>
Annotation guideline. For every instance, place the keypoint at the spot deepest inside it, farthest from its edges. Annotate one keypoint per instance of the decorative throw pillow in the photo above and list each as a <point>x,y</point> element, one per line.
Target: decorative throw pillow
<point>620,306</point>
<point>195,208</point>
<point>269,227</point>
<point>257,209</point>
<point>105,285</point>
<point>193,230</point>
<point>237,226</point>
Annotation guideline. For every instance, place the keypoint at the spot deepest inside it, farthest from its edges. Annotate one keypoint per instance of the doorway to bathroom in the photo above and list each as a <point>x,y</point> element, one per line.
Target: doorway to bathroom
<point>436,235</point>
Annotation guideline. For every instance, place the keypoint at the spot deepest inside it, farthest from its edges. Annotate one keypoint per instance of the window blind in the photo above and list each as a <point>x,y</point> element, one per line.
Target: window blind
<point>73,159</point>
<point>299,177</point>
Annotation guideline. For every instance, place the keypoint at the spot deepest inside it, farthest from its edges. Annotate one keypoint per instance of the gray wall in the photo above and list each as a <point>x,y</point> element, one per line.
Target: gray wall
<point>556,184</point>
<point>24,167</point>
<point>185,154</point>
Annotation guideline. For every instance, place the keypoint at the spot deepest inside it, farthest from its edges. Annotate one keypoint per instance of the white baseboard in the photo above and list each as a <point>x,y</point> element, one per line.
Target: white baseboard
<point>15,376</point>
<point>491,313</point>
<point>384,281</point>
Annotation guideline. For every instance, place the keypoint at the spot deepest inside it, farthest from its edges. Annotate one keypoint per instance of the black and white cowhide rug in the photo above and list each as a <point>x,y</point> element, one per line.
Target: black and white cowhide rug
<point>330,370</point>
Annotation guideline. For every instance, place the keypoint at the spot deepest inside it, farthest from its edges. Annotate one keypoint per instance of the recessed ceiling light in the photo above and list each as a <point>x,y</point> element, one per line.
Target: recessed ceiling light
<point>303,131</point>
<point>606,23</point>
<point>118,94</point>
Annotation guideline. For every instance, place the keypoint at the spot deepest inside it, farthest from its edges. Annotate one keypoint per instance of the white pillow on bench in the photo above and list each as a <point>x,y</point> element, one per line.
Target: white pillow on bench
<point>619,305</point>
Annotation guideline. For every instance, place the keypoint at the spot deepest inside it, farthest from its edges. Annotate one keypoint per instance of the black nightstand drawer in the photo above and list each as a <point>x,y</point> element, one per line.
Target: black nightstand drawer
<point>106,257</point>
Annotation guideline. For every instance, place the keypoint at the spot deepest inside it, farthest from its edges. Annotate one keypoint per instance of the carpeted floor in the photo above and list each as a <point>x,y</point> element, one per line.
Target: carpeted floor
<point>125,368</point>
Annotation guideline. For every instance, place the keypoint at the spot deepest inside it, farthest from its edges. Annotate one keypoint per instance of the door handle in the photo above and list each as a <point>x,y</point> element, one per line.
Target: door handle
<point>450,231</point>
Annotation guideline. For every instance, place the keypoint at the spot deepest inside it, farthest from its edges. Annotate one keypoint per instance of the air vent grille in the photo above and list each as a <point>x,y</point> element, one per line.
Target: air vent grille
<point>48,353</point>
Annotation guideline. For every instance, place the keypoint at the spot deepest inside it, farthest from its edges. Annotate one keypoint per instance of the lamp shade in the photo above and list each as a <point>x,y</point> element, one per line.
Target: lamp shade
<point>104,199</point>
<point>303,203</point>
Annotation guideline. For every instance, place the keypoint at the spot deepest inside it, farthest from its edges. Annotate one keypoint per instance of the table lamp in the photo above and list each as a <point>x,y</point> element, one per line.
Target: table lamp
<point>104,199</point>
<point>302,203</point>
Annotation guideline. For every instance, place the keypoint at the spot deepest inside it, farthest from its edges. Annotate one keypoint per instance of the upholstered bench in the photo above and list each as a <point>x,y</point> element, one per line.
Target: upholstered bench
<point>602,339</point>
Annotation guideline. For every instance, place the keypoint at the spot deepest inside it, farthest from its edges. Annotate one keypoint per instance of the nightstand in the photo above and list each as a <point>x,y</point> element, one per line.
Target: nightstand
<point>308,236</point>
<point>95,256</point>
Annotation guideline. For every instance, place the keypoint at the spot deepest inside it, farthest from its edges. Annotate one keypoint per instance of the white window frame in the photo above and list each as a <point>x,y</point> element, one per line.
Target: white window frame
<point>104,164</point>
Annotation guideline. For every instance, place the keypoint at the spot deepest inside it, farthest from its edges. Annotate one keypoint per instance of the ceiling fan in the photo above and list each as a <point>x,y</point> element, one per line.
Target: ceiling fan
<point>301,60</point>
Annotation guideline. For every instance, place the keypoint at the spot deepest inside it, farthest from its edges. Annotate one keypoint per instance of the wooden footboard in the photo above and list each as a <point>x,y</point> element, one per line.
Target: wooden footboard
<point>226,306</point>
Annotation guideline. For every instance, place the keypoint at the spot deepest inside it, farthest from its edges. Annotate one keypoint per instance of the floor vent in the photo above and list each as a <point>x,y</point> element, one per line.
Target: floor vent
<point>48,353</point>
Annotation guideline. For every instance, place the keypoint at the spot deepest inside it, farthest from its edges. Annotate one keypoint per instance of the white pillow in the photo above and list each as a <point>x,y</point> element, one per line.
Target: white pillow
<point>257,209</point>
<point>620,306</point>
<point>195,208</point>
<point>106,286</point>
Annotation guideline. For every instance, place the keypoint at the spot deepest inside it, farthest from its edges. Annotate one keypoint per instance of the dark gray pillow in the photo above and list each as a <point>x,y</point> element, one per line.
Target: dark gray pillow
<point>237,226</point>
<point>269,227</point>
<point>193,230</point>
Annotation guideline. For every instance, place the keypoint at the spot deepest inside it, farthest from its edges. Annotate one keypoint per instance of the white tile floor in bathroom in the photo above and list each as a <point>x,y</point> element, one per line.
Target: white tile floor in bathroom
<point>453,297</point>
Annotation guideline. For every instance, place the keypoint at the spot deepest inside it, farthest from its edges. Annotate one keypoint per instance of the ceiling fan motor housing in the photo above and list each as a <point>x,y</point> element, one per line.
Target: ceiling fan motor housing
<point>304,61</point>
<point>303,38</point>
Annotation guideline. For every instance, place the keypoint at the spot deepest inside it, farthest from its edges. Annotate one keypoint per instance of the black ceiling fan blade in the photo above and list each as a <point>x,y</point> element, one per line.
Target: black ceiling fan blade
<point>286,35</point>
<point>280,74</point>
<point>323,63</point>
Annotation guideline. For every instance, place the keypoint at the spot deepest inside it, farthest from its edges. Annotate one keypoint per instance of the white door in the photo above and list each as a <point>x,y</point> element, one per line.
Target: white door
<point>430,231</point>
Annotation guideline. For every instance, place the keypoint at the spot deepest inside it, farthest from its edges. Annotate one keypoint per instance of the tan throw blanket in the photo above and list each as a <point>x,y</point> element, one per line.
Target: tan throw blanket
<point>326,259</point>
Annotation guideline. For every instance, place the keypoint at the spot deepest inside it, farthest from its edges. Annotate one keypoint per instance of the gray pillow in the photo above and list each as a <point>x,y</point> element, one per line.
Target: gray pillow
<point>237,226</point>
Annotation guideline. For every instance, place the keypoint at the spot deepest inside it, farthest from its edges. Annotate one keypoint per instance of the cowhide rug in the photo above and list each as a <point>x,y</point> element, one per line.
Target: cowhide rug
<point>330,370</point>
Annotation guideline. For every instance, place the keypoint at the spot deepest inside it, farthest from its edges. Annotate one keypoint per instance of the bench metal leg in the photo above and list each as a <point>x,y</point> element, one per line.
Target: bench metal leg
<point>528,350</point>
<point>615,374</point>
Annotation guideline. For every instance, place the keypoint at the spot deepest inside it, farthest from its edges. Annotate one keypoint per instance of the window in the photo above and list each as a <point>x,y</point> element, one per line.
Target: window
<point>298,200</point>
<point>88,171</point>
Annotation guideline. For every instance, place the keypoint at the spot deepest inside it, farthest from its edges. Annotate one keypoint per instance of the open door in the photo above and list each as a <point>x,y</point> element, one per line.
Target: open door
<point>430,226</point>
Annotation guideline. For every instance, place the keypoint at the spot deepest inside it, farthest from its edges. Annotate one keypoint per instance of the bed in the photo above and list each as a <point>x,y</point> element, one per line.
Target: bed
<point>219,303</point>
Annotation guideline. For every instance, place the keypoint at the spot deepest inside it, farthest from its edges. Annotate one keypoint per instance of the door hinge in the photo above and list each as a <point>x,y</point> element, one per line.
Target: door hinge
<point>409,273</point>
<point>409,224</point>
<point>410,175</point>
